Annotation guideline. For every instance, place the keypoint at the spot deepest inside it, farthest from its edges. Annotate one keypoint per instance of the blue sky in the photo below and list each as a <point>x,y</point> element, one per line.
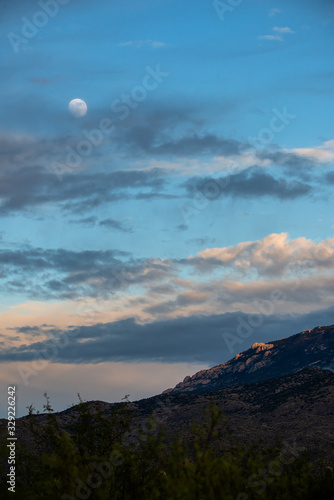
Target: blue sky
<point>211,188</point>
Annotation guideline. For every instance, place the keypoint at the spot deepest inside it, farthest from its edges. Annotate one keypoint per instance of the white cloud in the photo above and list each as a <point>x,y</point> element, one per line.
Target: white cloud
<point>157,44</point>
<point>285,29</point>
<point>214,281</point>
<point>270,37</point>
<point>273,255</point>
<point>154,44</point>
<point>274,11</point>
<point>302,269</point>
<point>279,31</point>
<point>323,153</point>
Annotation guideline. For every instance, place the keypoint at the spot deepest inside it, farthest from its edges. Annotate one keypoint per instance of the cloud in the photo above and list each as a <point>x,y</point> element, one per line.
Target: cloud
<point>151,125</point>
<point>193,339</point>
<point>68,275</point>
<point>294,295</point>
<point>154,44</point>
<point>330,177</point>
<point>87,221</point>
<point>63,274</point>
<point>201,241</point>
<point>27,181</point>
<point>195,144</point>
<point>107,223</point>
<point>214,280</point>
<point>305,163</point>
<point>295,163</point>
<point>321,154</point>
<point>251,183</point>
<point>114,224</point>
<point>280,31</point>
<point>283,30</point>
<point>270,37</point>
<point>273,255</point>
<point>28,187</point>
<point>175,130</point>
<point>152,140</point>
<point>274,11</point>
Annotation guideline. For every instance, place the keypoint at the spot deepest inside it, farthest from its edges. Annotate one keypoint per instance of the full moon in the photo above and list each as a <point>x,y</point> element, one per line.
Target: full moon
<point>78,107</point>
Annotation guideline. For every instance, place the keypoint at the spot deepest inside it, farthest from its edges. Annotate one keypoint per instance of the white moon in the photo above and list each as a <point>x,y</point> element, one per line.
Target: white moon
<point>78,107</point>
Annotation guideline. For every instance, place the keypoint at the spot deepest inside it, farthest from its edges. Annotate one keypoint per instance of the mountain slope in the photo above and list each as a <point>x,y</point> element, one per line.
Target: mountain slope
<point>265,361</point>
<point>297,409</point>
<point>293,408</point>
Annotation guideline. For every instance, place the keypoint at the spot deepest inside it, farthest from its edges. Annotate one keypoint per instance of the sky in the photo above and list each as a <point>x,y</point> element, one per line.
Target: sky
<point>187,215</point>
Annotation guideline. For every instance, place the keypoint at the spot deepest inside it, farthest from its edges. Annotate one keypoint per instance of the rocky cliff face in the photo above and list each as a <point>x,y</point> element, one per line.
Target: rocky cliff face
<point>311,348</point>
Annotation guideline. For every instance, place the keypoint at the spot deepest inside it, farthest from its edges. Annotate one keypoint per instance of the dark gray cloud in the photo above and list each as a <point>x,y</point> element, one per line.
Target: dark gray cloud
<point>28,187</point>
<point>153,196</point>
<point>192,339</point>
<point>330,177</point>
<point>190,146</point>
<point>63,274</point>
<point>177,130</point>
<point>115,224</point>
<point>249,183</point>
<point>202,242</point>
<point>181,300</point>
<point>156,130</point>
<point>29,177</point>
<point>33,259</point>
<point>86,221</point>
<point>291,161</point>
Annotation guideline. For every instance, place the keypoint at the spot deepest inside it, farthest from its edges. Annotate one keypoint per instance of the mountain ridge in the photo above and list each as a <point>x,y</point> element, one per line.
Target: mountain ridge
<point>263,361</point>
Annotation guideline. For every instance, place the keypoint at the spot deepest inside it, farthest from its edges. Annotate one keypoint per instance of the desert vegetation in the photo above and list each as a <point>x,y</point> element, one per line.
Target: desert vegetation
<point>102,456</point>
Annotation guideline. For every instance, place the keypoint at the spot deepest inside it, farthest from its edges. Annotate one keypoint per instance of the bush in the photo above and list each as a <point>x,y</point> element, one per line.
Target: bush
<point>98,456</point>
